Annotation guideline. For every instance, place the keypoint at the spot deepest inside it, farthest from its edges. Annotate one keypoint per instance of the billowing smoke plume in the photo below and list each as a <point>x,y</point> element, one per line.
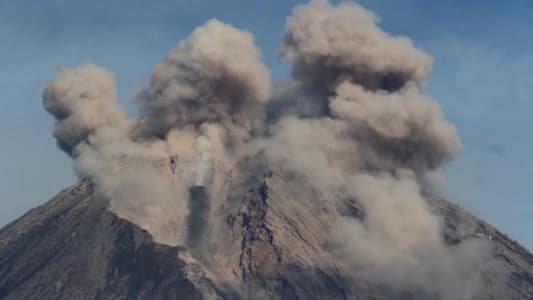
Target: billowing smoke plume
<point>374,136</point>
<point>327,44</point>
<point>353,120</point>
<point>131,176</point>
<point>330,44</point>
<point>404,129</point>
<point>343,61</point>
<point>215,76</point>
<point>82,100</point>
<point>206,97</point>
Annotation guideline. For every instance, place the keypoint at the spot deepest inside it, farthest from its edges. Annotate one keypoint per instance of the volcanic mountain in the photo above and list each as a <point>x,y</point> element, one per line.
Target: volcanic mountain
<point>73,247</point>
<point>225,185</point>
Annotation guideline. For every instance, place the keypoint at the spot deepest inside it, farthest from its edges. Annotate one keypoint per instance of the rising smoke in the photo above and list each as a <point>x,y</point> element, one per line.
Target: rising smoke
<point>354,119</point>
<point>82,100</point>
<point>213,77</point>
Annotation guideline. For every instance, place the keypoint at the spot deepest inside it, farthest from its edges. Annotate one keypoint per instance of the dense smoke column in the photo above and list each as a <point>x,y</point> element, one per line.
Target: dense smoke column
<point>215,76</point>
<point>198,220</point>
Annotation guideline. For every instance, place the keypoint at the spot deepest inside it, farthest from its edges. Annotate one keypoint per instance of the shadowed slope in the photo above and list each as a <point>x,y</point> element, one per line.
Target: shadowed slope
<point>73,248</point>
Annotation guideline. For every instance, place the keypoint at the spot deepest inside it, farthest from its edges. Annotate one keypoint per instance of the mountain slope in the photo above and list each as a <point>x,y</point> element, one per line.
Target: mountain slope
<point>73,248</point>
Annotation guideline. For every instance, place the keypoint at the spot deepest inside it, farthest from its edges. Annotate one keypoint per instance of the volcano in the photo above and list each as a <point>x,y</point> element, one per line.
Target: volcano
<point>73,247</point>
<point>226,185</point>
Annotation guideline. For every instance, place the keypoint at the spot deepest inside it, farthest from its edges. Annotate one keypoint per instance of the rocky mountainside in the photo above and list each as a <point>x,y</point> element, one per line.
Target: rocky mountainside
<point>72,247</point>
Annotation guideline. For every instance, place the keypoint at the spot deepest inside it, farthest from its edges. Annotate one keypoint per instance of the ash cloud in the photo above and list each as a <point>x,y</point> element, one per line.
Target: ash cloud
<point>328,44</point>
<point>82,99</point>
<point>353,120</point>
<point>404,129</point>
<point>130,176</point>
<point>367,130</point>
<point>215,76</point>
<point>205,99</point>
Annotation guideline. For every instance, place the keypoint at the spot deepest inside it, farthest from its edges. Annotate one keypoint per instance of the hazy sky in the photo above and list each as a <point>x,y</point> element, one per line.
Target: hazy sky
<point>482,76</point>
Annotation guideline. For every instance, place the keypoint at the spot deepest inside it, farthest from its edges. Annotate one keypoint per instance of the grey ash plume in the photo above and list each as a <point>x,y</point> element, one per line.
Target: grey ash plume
<point>353,119</point>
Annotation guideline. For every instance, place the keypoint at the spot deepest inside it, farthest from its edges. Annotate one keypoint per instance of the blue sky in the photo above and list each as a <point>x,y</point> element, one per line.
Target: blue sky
<point>482,77</point>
